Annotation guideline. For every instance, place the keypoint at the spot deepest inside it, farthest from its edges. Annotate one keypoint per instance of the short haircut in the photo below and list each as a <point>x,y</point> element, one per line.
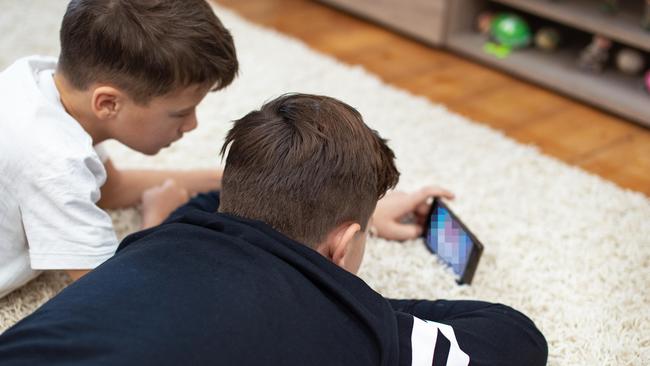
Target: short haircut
<point>147,48</point>
<point>305,164</point>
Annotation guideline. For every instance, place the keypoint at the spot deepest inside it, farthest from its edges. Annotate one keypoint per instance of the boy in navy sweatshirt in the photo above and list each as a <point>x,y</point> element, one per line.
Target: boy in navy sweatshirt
<point>264,272</point>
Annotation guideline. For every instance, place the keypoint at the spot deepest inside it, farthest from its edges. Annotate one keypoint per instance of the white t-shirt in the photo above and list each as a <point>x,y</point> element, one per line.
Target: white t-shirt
<point>50,175</point>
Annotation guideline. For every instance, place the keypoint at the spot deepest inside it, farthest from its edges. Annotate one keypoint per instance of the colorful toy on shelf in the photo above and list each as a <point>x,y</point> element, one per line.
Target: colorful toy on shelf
<point>630,61</point>
<point>484,22</point>
<point>611,6</point>
<point>547,39</point>
<point>595,55</point>
<point>510,30</point>
<point>497,50</point>
<point>646,17</point>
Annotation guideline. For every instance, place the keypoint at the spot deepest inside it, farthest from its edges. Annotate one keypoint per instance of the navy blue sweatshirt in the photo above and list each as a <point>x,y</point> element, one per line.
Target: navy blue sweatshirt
<point>213,289</point>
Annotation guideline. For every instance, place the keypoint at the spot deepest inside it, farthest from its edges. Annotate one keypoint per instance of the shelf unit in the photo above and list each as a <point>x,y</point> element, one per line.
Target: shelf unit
<point>421,19</point>
<point>584,15</point>
<point>611,90</point>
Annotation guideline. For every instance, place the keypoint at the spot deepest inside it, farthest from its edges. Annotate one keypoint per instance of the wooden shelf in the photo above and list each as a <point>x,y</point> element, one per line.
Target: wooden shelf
<point>455,22</point>
<point>610,90</point>
<point>422,19</point>
<point>624,27</point>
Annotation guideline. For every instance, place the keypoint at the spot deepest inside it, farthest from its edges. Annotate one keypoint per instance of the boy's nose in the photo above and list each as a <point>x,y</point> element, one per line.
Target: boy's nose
<point>189,124</point>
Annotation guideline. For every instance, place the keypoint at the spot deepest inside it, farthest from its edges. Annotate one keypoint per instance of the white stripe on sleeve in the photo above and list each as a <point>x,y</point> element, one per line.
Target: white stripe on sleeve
<point>424,339</point>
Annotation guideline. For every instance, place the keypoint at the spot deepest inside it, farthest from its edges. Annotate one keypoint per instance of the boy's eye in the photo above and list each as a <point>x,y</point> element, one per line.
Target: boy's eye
<point>180,115</point>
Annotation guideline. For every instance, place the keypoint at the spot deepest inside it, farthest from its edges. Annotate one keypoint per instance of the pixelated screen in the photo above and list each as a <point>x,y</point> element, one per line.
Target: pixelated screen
<point>448,239</point>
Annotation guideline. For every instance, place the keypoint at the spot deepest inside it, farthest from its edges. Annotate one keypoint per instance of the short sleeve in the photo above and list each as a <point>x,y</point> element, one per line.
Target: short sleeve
<point>101,151</point>
<point>65,229</point>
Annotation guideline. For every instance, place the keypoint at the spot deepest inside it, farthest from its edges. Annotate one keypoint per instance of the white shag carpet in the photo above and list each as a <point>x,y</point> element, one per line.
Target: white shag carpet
<point>567,248</point>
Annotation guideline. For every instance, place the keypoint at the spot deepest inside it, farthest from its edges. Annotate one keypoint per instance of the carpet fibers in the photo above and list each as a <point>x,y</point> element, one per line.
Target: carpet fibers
<point>567,248</point>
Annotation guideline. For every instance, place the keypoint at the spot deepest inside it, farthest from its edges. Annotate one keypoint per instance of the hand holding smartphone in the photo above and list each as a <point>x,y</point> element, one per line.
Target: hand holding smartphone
<point>447,237</point>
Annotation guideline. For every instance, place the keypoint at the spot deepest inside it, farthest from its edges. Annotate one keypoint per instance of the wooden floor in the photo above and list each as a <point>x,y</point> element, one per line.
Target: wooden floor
<point>598,142</point>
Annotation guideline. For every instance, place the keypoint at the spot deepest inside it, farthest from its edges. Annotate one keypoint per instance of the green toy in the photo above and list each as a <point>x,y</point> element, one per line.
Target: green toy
<point>510,30</point>
<point>497,50</point>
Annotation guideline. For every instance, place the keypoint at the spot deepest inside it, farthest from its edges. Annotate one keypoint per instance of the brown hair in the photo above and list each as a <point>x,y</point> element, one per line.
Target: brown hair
<point>148,48</point>
<point>305,164</point>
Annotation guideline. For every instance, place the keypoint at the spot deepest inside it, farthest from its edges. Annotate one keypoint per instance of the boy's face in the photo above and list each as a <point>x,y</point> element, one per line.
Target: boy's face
<point>161,122</point>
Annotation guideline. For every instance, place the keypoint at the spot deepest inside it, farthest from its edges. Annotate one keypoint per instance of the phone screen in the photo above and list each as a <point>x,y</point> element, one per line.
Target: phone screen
<point>449,240</point>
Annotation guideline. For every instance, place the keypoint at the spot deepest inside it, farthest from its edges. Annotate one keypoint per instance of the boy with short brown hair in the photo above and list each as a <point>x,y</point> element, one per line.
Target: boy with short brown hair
<point>349,167</point>
<point>129,70</point>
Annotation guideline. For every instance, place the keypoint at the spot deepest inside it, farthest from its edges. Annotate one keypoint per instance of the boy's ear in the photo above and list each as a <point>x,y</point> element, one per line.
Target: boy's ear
<point>106,102</point>
<point>337,243</point>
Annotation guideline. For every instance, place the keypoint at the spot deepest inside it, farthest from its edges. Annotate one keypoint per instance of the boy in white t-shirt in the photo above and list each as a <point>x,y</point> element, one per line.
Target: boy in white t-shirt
<point>133,71</point>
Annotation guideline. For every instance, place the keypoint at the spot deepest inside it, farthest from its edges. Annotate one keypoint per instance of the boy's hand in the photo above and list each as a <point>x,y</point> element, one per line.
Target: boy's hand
<point>401,215</point>
<point>160,201</point>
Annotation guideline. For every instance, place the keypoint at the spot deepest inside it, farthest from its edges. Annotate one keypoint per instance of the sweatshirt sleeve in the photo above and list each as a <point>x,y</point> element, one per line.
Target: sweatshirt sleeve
<point>487,333</point>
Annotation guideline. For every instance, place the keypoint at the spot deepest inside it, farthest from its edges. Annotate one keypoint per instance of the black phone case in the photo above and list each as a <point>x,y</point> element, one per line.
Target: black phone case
<point>472,263</point>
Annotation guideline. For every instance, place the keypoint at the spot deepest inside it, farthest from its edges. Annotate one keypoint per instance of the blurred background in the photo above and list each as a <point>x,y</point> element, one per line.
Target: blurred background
<point>569,76</point>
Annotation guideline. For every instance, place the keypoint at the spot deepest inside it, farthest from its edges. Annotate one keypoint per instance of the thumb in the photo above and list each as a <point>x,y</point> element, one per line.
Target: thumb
<point>432,191</point>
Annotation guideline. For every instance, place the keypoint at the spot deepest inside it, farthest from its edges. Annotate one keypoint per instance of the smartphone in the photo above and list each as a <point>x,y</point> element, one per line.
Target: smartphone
<point>447,237</point>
